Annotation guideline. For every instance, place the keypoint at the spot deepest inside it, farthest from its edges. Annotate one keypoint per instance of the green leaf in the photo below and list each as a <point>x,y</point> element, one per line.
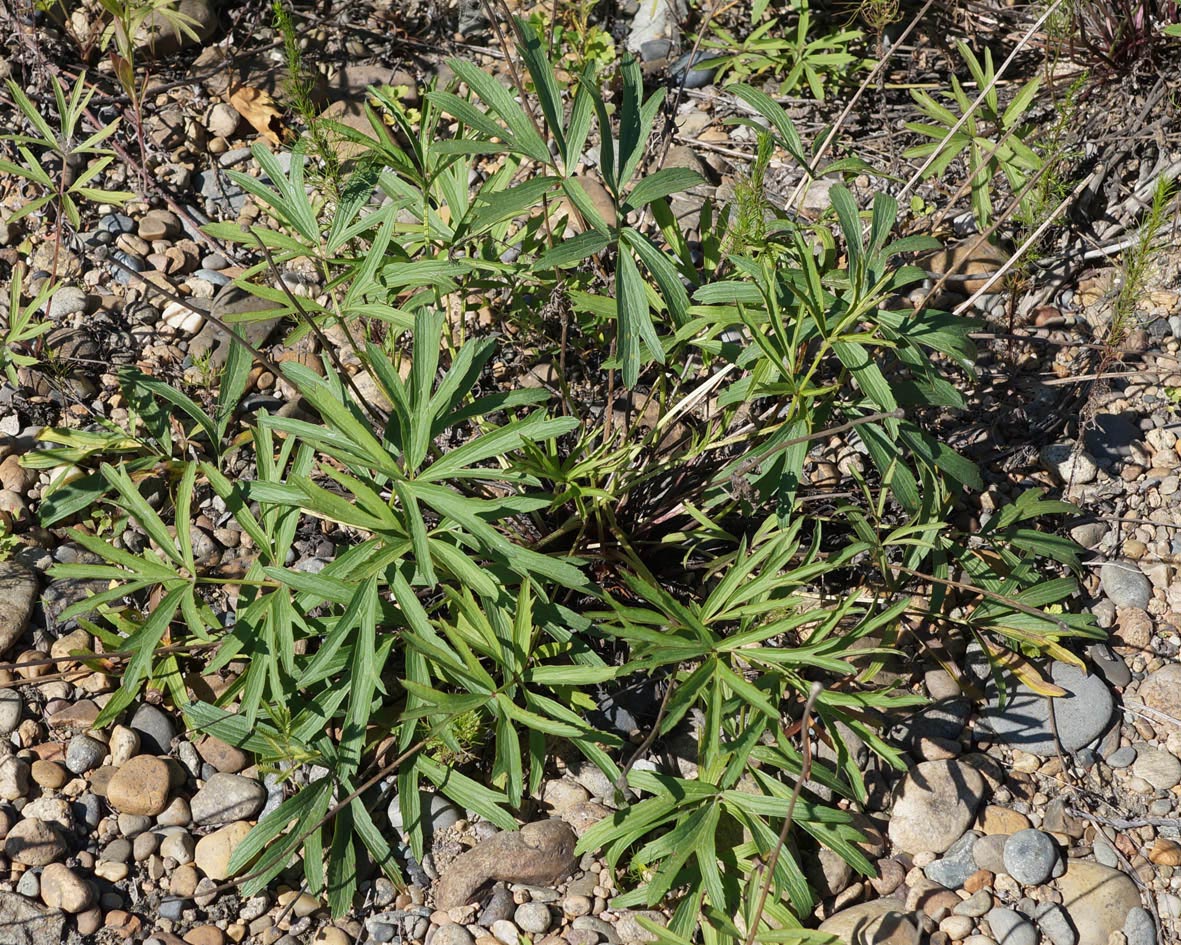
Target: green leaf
<point>634,318</point>
<point>544,83</point>
<point>668,180</point>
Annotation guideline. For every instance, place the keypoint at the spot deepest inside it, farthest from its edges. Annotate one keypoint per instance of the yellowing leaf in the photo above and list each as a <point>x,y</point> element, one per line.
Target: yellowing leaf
<point>258,108</point>
<point>1023,670</point>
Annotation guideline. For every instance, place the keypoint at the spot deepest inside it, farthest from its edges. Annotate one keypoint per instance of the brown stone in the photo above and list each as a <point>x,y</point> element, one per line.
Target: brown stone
<point>100,780</point>
<point>140,786</point>
<point>981,879</point>
<point>938,903</point>
<point>1162,690</point>
<point>890,876</point>
<point>49,774</point>
<point>223,756</point>
<point>18,589</point>
<point>214,851</point>
<point>34,843</point>
<point>878,922</point>
<point>49,751</point>
<point>969,263</point>
<point>159,225</point>
<point>62,888</point>
<point>997,819</point>
<point>1165,852</point>
<point>1102,895</point>
<point>205,935</point>
<point>77,717</point>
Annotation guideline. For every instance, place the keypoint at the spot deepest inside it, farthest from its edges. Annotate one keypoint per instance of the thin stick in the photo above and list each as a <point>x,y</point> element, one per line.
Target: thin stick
<point>805,774</point>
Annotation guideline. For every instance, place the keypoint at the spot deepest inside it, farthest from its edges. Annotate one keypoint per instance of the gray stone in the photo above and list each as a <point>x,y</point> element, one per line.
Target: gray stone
<point>68,300</point>
<point>1125,584</point>
<point>533,917</point>
<point>28,923</point>
<point>437,812</point>
<point>117,851</point>
<point>452,934</point>
<point>1109,437</point>
<point>11,709</point>
<point>226,798</point>
<point>629,929</point>
<point>1113,668</point>
<point>1105,854</point>
<point>1030,856</point>
<point>117,223</point>
<point>956,865</point>
<point>1023,721</point>
<point>1121,757</point>
<point>1158,768</point>
<point>975,905</point>
<point>935,805</point>
<point>1055,924</point>
<point>501,905</point>
<point>688,69</point>
<point>155,729</point>
<point>1090,534</point>
<point>1071,465</point>
<point>943,719</point>
<point>595,924</point>
<point>29,884</point>
<point>1010,928</point>
<point>18,595</point>
<point>1138,927</point>
<point>84,753</point>
<point>87,810</point>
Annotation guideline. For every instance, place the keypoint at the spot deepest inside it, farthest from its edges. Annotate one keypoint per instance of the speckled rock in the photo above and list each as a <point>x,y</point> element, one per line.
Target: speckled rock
<point>878,922</point>
<point>140,787</point>
<point>28,923</point>
<point>34,843</point>
<point>1161,690</point>
<point>1030,856</point>
<point>62,888</point>
<point>540,853</point>
<point>226,798</point>
<point>1097,898</point>
<point>935,805</point>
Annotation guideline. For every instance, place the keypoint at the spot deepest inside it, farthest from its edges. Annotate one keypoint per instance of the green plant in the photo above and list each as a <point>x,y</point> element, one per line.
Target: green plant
<point>991,140</point>
<point>576,41</point>
<point>125,32</point>
<point>1137,262</point>
<point>299,87</point>
<point>502,551</point>
<point>22,324</point>
<point>73,165</point>
<point>789,51</point>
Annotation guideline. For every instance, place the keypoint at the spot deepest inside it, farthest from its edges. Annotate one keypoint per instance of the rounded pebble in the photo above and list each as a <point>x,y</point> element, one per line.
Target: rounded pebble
<point>1030,856</point>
